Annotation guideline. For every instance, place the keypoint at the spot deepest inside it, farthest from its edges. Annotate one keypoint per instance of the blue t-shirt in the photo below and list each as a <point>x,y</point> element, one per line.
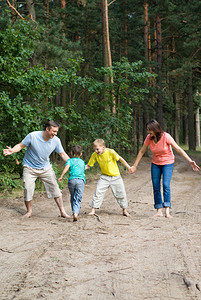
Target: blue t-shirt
<point>38,150</point>
<point>77,168</point>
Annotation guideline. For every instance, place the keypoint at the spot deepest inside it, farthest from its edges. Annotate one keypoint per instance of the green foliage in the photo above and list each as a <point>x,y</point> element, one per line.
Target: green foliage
<point>28,87</point>
<point>95,118</point>
<point>9,182</point>
<point>23,89</point>
<point>129,80</point>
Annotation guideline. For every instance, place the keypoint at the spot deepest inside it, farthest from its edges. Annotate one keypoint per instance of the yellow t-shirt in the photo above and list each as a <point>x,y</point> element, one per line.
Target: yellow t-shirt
<point>107,162</point>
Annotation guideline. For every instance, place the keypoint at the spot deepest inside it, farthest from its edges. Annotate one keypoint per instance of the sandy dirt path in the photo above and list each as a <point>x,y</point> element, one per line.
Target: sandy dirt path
<point>109,256</point>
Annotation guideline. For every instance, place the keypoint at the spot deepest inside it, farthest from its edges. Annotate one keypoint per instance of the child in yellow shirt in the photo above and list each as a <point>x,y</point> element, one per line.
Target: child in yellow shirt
<point>110,177</point>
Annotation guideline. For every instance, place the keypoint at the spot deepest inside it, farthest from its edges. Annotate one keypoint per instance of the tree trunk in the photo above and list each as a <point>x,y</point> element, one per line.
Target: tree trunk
<point>159,106</point>
<point>31,9</point>
<point>147,58</point>
<point>185,130</point>
<point>107,59</point>
<point>63,104</point>
<point>191,127</point>
<point>197,122</point>
<point>47,12</point>
<point>146,32</point>
<point>63,4</point>
<point>13,13</point>
<point>177,117</point>
<point>125,29</point>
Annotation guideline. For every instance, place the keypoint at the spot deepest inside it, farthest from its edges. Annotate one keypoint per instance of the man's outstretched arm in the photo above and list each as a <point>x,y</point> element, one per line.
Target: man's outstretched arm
<point>15,149</point>
<point>64,156</point>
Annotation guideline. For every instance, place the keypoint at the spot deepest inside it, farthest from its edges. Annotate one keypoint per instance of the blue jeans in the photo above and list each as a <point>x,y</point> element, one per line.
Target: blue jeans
<point>156,172</point>
<point>76,189</point>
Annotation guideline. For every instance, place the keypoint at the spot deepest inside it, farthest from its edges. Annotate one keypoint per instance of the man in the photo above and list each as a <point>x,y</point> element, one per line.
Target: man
<point>36,164</point>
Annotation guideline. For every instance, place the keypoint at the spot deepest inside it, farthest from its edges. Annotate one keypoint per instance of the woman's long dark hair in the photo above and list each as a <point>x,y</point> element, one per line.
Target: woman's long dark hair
<point>154,126</point>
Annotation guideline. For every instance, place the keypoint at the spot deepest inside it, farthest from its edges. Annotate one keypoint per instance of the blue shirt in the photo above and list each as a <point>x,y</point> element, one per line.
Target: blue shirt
<point>38,150</point>
<point>77,168</point>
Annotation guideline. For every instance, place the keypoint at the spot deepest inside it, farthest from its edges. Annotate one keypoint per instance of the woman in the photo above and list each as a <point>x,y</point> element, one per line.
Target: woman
<point>161,144</point>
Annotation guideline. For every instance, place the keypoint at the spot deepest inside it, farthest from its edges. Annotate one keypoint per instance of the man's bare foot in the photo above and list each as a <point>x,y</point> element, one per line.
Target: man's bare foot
<point>65,215</point>
<point>125,213</point>
<point>75,217</point>
<point>92,213</point>
<point>28,214</point>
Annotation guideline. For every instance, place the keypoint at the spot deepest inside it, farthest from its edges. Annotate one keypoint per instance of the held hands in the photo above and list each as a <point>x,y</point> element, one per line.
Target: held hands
<point>129,169</point>
<point>132,169</point>
<point>194,166</point>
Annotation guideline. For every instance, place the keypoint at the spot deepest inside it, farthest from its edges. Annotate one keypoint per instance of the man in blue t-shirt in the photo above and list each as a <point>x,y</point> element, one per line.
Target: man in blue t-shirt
<point>36,164</point>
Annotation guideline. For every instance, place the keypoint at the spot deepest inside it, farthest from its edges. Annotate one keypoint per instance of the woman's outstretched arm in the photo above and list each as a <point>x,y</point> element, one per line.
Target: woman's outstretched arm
<point>179,150</point>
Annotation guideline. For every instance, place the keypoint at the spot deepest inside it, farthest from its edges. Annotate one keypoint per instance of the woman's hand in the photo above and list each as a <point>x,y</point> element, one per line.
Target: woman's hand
<point>194,166</point>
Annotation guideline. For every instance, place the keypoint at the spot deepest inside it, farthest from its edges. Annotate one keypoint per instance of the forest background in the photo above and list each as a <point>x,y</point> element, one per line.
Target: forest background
<point>102,69</point>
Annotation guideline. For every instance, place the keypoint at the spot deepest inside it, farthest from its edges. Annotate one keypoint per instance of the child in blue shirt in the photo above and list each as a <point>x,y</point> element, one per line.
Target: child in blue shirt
<point>76,180</point>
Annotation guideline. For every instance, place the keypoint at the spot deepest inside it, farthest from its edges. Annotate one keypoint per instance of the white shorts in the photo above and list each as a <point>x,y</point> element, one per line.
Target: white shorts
<point>48,178</point>
<point>117,185</point>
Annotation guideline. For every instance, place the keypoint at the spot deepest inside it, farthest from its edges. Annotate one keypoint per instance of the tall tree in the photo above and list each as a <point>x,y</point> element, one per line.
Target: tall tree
<point>107,59</point>
<point>31,9</point>
<point>159,107</point>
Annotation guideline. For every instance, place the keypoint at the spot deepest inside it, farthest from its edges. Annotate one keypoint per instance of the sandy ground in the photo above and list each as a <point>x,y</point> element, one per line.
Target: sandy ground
<point>109,256</point>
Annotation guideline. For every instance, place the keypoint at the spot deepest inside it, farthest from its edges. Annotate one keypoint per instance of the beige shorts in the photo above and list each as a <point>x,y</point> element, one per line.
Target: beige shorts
<point>48,178</point>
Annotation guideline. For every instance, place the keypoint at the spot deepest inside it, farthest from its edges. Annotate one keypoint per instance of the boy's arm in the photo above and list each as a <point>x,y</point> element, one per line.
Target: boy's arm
<point>64,172</point>
<point>122,160</point>
<point>91,162</point>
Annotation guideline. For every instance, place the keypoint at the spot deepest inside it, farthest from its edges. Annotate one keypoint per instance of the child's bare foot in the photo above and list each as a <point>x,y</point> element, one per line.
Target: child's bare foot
<point>28,214</point>
<point>75,217</point>
<point>125,213</point>
<point>93,211</point>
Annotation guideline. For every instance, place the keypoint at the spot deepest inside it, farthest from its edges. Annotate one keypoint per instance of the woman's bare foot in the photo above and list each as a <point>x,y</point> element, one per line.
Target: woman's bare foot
<point>125,213</point>
<point>167,213</point>
<point>168,216</point>
<point>93,211</point>
<point>159,213</point>
<point>75,217</point>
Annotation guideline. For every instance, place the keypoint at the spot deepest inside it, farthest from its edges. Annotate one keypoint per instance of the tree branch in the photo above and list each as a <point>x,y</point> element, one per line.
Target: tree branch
<point>111,2</point>
<point>11,6</point>
<point>196,52</point>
